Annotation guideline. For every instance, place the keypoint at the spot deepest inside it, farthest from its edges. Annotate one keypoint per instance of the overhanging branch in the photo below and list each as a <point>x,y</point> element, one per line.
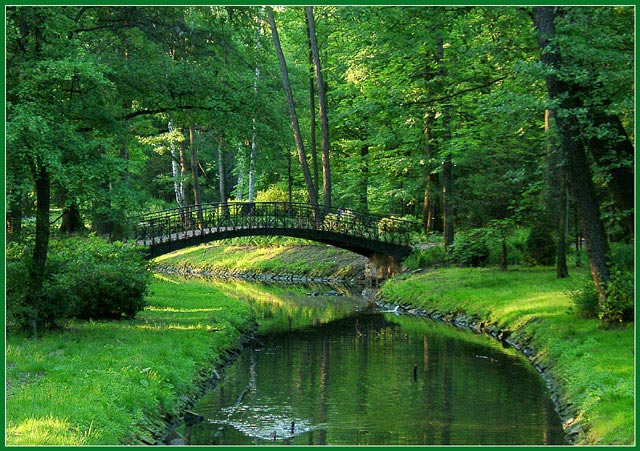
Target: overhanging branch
<point>455,94</point>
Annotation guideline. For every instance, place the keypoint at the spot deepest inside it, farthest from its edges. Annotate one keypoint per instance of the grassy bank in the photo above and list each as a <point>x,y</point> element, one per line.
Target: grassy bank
<point>114,382</point>
<point>593,366</point>
<point>301,260</point>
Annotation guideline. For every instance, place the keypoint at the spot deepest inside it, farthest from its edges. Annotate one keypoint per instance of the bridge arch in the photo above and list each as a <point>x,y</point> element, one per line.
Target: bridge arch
<point>384,240</point>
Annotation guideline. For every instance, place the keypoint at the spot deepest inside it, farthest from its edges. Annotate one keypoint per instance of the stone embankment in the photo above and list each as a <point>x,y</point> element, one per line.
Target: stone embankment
<point>354,278</point>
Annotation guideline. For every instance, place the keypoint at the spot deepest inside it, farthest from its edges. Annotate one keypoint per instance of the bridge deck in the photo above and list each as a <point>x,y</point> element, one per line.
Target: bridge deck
<point>363,233</point>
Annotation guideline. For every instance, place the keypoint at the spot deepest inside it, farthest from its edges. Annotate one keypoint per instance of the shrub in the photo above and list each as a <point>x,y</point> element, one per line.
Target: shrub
<point>618,305</point>
<point>85,278</point>
<point>470,249</point>
<point>585,301</point>
<point>540,247</point>
<point>432,256</point>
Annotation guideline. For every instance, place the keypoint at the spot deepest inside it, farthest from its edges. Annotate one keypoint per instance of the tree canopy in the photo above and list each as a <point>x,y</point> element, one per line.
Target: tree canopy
<point>443,114</point>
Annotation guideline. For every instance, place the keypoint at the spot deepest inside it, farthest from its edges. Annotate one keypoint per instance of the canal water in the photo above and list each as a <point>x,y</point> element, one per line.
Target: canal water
<point>328,369</point>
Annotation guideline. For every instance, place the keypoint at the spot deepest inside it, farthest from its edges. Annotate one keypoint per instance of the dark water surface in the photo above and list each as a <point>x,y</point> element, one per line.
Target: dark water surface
<point>342,374</point>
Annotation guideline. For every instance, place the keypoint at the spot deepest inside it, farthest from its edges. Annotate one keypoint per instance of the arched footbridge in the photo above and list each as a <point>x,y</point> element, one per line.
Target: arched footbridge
<point>383,239</point>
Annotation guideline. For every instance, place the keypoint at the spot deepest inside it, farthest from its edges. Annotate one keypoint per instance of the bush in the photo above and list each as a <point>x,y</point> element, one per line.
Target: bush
<point>618,306</point>
<point>470,249</point>
<point>432,256</point>
<point>85,278</point>
<point>585,301</point>
<point>540,247</point>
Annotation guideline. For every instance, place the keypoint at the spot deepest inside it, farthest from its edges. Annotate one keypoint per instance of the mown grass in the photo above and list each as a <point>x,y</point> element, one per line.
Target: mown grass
<point>593,364</point>
<point>301,260</point>
<point>106,382</point>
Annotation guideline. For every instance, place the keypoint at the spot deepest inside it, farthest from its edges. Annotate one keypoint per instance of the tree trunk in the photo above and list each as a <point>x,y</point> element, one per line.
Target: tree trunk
<point>447,207</point>
<point>254,129</point>
<point>41,245</point>
<point>555,196</point>
<point>302,157</point>
<point>432,181</point>
<point>616,148</point>
<point>14,214</point>
<point>222,185</point>
<point>363,189</point>
<point>194,174</point>
<point>503,245</point>
<point>576,157</point>
<point>71,220</point>
<point>562,270</point>
<point>312,113</point>
<point>176,173</point>
<point>184,165</point>
<point>322,109</point>
<point>447,176</point>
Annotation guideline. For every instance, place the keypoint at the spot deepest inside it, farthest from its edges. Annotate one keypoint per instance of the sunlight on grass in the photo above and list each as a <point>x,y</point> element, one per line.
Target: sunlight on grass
<point>594,365</point>
<point>45,431</point>
<point>181,310</point>
<point>103,382</point>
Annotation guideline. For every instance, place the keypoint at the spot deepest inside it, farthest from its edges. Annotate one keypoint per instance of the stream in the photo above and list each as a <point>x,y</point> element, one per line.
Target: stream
<point>329,368</point>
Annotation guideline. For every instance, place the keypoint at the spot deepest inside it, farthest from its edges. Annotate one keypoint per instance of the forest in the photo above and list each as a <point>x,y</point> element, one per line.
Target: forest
<point>473,121</point>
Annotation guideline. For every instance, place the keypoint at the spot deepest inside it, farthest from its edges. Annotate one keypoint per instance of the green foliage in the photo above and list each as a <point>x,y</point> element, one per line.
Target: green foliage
<point>107,382</point>
<point>618,305</point>
<point>540,247</point>
<point>585,301</point>
<point>470,248</point>
<point>593,365</point>
<point>432,256</point>
<point>516,245</point>
<point>85,278</point>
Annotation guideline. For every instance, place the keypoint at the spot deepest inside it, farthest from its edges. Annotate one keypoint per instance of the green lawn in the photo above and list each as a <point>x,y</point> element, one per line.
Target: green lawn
<point>106,382</point>
<point>594,365</point>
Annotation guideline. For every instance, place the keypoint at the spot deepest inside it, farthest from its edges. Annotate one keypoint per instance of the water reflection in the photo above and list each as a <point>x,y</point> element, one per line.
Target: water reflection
<point>330,371</point>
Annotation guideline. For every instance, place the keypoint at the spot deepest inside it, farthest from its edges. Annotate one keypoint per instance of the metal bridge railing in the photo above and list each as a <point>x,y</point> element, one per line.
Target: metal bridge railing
<point>181,223</point>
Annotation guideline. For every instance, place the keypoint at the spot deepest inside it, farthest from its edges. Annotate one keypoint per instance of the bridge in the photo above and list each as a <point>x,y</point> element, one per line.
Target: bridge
<point>384,240</point>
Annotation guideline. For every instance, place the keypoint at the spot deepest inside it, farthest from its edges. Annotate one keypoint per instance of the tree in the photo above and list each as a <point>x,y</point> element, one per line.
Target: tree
<point>567,98</point>
<point>322,102</point>
<point>302,157</point>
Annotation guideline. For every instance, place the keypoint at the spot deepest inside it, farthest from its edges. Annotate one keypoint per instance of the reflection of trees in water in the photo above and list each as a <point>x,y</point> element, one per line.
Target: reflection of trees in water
<point>374,378</point>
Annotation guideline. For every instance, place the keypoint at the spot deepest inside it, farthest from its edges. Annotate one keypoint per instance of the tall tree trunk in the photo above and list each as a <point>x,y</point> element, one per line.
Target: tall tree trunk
<point>41,245</point>
<point>432,180</point>
<point>184,170</point>
<point>312,114</point>
<point>71,219</point>
<point>302,157</point>
<point>447,175</point>
<point>176,173</point>
<point>363,188</point>
<point>222,186</point>
<point>578,168</point>
<point>322,110</point>
<point>14,214</point>
<point>555,193</point>
<point>254,129</point>
<point>194,174</point>
<point>447,206</point>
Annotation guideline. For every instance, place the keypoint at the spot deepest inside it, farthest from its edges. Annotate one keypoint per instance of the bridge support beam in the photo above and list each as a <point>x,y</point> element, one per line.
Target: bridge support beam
<point>380,268</point>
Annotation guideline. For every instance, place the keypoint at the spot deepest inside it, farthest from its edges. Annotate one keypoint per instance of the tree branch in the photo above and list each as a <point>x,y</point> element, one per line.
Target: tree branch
<point>455,94</point>
<point>164,110</point>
